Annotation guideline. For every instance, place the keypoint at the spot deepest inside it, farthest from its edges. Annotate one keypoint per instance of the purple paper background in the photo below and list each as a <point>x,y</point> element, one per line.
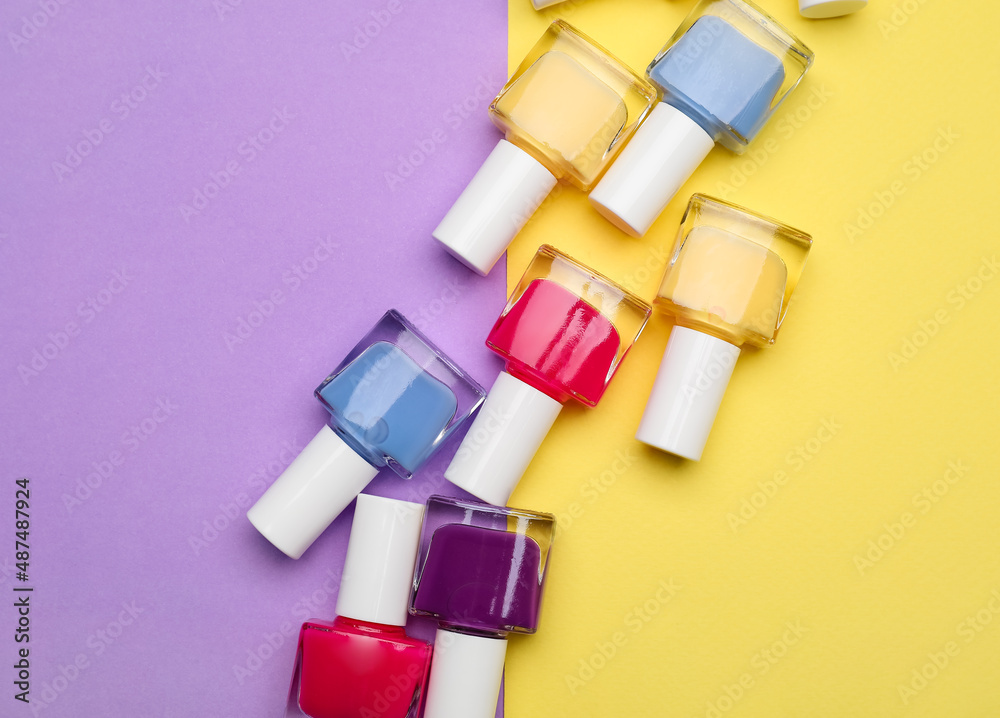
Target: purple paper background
<point>229,410</point>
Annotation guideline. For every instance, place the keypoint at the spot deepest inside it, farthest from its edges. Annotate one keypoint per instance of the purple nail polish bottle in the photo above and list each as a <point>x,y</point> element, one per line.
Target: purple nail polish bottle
<point>480,573</point>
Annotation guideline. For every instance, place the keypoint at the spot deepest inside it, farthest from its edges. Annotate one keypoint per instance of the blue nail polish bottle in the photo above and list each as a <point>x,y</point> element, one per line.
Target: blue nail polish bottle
<point>720,79</point>
<point>393,400</point>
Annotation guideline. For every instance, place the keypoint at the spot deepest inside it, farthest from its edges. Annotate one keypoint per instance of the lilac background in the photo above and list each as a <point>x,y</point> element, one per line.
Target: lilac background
<point>207,599</point>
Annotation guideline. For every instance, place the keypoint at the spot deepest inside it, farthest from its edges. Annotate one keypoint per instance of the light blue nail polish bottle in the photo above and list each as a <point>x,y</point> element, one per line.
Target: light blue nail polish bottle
<point>393,400</point>
<point>720,78</point>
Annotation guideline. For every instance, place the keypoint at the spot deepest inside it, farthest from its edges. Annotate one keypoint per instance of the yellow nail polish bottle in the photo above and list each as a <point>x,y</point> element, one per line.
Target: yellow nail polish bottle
<point>565,112</point>
<point>728,283</point>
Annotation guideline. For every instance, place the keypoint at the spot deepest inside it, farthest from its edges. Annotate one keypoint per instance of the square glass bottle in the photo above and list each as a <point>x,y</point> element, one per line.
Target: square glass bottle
<point>728,283</point>
<point>721,77</point>
<point>393,400</point>
<point>565,113</point>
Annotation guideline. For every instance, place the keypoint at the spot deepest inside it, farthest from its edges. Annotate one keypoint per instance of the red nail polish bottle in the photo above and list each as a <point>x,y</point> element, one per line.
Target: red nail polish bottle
<point>362,663</point>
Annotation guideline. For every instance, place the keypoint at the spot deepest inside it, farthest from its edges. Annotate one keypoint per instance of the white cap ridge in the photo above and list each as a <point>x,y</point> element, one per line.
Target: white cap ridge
<point>315,488</point>
<point>381,555</point>
<point>688,390</point>
<point>465,676</point>
<point>502,440</point>
<point>661,156</point>
<point>494,206</point>
<point>819,9</point>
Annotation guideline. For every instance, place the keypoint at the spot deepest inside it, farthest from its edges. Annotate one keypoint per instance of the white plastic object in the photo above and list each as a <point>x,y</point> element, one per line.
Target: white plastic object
<point>494,207</point>
<point>315,488</point>
<point>502,440</point>
<point>465,676</point>
<point>381,555</point>
<point>688,390</point>
<point>819,9</point>
<point>662,155</point>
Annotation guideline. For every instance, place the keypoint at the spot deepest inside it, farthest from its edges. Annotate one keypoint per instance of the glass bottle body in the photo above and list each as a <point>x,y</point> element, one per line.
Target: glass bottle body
<point>732,272</point>
<point>571,105</point>
<point>481,568</point>
<point>728,67</point>
<point>347,668</point>
<point>565,329</point>
<point>396,397</point>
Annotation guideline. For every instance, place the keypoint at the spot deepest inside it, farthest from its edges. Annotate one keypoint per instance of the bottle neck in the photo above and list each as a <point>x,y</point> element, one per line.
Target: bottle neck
<point>480,632</point>
<point>535,380</point>
<point>380,629</point>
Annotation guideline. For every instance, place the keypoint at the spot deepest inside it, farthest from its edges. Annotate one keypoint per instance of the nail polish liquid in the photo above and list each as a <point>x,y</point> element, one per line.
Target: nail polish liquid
<point>349,668</point>
<point>553,339</point>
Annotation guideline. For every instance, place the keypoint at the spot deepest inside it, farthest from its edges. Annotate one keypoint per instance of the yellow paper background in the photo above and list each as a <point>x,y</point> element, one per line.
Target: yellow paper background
<point>886,83</point>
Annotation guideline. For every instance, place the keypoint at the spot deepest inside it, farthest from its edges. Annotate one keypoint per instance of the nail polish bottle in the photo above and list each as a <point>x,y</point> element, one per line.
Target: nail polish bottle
<point>727,285</point>
<point>563,334</point>
<point>362,663</point>
<point>721,77</point>
<point>393,400</point>
<point>565,113</point>
<point>480,574</point>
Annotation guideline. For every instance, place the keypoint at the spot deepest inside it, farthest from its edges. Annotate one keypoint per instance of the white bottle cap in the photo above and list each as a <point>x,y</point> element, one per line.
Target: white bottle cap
<point>663,153</point>
<point>542,4</point>
<point>494,206</point>
<point>381,555</point>
<point>310,493</point>
<point>503,439</point>
<point>465,676</point>
<point>818,9</point>
<point>688,390</point>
